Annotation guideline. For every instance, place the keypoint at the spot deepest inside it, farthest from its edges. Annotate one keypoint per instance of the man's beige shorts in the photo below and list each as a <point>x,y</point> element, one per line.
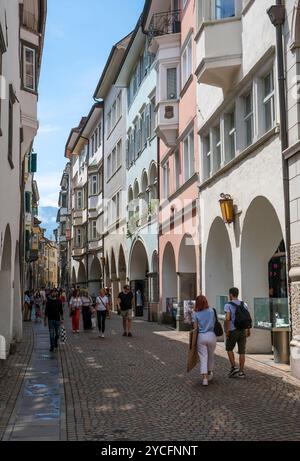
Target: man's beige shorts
<point>127,314</point>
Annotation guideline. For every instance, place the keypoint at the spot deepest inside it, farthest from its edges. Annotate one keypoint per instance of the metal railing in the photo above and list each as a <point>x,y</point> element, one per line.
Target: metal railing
<point>165,23</point>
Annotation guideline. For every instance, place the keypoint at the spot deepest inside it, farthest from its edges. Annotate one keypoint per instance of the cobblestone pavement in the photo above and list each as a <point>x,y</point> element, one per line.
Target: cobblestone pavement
<point>137,389</point>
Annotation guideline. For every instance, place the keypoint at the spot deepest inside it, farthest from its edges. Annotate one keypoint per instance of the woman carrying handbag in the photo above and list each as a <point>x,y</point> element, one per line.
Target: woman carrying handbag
<point>205,319</point>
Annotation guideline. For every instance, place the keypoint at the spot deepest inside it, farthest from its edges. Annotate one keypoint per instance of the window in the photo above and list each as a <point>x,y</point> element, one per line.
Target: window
<point>119,154</point>
<point>218,147</point>
<point>93,230</point>
<point>152,117</point>
<point>207,157</point>
<point>99,134</point>
<point>109,173</point>
<point>114,160</point>
<point>114,114</point>
<point>78,237</point>
<point>224,9</point>
<point>29,68</point>
<point>64,201</point>
<point>188,153</point>
<point>176,169</point>
<point>231,135</point>
<point>2,81</point>
<point>166,180</point>
<point>269,105</point>
<point>108,122</point>
<point>248,119</point>
<point>187,62</point>
<point>27,202</point>
<point>94,184</point>
<point>172,83</point>
<point>79,200</point>
<point>95,141</point>
<point>119,105</point>
<point>184,3</point>
<point>12,99</point>
<point>62,228</point>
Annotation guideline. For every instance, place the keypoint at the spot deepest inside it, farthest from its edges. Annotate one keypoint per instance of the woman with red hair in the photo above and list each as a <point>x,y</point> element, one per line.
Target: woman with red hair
<point>204,319</point>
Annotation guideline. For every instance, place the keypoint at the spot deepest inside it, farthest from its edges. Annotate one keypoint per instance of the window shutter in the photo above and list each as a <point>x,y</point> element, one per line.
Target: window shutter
<point>27,202</point>
<point>33,163</point>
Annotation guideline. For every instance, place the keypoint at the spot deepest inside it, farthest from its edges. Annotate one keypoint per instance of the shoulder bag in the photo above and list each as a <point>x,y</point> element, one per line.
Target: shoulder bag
<point>218,329</point>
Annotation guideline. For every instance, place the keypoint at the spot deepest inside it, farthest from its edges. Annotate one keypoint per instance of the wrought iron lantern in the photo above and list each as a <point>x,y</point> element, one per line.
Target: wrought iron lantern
<point>226,204</point>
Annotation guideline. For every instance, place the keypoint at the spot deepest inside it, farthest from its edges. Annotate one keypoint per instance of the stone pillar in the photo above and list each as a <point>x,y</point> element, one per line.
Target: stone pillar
<point>295,310</point>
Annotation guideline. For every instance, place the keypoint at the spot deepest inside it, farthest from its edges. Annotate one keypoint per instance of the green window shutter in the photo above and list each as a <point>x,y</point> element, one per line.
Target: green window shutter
<point>27,240</point>
<point>33,163</point>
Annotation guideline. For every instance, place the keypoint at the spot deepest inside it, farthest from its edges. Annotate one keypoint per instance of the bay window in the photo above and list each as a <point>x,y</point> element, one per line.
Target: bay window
<point>224,9</point>
<point>172,83</point>
<point>79,200</point>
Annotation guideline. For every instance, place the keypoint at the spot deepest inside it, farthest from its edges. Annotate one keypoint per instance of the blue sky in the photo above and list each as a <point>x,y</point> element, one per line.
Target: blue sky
<point>79,37</point>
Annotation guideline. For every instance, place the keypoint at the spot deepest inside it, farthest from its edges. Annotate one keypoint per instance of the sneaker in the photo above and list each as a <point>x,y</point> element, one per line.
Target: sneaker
<point>102,336</point>
<point>205,382</point>
<point>77,331</point>
<point>210,376</point>
<point>124,334</point>
<point>130,335</point>
<point>233,371</point>
<point>241,375</point>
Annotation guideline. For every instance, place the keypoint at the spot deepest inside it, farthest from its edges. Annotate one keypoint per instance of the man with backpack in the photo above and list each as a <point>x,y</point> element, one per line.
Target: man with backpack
<point>237,328</point>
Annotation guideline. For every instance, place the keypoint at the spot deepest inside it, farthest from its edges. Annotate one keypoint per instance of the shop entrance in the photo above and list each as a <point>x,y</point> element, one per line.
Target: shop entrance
<point>139,290</point>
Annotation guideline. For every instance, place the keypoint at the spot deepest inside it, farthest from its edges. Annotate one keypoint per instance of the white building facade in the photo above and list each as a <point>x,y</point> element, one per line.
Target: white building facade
<point>138,75</point>
<point>22,26</point>
<point>114,263</point>
<point>241,157</point>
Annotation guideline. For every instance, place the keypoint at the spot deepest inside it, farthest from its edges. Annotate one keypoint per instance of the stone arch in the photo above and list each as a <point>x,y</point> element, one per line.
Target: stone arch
<point>81,277</point>
<point>218,264</point>
<point>153,180</point>
<point>122,267</point>
<point>17,304</point>
<point>139,269</point>
<point>169,279</point>
<point>95,276</point>
<point>114,278</point>
<point>187,268</point>
<point>73,276</point>
<point>6,292</point>
<point>261,236</point>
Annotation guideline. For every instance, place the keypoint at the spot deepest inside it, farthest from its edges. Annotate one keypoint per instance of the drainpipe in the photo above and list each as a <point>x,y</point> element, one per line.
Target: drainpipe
<point>277,16</point>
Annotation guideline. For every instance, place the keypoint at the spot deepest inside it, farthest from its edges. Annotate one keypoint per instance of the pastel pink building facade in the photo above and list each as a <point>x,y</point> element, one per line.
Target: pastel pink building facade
<point>176,125</point>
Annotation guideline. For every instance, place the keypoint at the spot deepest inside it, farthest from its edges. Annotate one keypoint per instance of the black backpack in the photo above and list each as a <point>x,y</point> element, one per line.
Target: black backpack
<point>243,320</point>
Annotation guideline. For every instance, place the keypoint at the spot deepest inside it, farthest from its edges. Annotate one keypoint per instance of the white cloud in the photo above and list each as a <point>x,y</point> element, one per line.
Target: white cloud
<point>49,187</point>
<point>46,129</point>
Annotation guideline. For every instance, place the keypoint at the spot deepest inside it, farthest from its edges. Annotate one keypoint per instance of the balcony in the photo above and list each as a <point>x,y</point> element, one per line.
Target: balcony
<point>165,23</point>
<point>220,60</point>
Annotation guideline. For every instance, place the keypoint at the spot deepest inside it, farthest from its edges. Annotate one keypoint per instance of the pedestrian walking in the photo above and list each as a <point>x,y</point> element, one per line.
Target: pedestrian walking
<point>54,316</point>
<point>237,327</point>
<point>31,305</point>
<point>75,306</point>
<point>125,303</point>
<point>87,304</point>
<point>204,319</point>
<point>38,303</point>
<point>109,297</point>
<point>139,303</point>
<point>26,306</point>
<point>102,308</point>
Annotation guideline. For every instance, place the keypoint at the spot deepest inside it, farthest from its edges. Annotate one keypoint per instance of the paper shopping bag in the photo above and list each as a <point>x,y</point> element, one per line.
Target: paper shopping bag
<point>193,357</point>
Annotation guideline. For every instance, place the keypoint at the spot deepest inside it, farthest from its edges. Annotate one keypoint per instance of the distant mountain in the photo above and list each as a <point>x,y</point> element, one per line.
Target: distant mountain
<point>48,215</point>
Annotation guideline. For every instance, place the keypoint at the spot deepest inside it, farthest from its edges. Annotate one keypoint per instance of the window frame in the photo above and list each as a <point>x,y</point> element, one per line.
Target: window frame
<point>188,157</point>
<point>187,53</point>
<point>248,116</point>
<point>269,98</point>
<point>34,50</point>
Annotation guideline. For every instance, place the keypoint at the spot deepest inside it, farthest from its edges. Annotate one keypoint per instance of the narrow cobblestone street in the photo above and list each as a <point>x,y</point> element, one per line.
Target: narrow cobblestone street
<point>137,389</point>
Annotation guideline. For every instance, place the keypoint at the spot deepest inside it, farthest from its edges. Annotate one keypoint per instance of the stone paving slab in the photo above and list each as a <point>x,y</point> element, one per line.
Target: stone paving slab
<point>37,413</point>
